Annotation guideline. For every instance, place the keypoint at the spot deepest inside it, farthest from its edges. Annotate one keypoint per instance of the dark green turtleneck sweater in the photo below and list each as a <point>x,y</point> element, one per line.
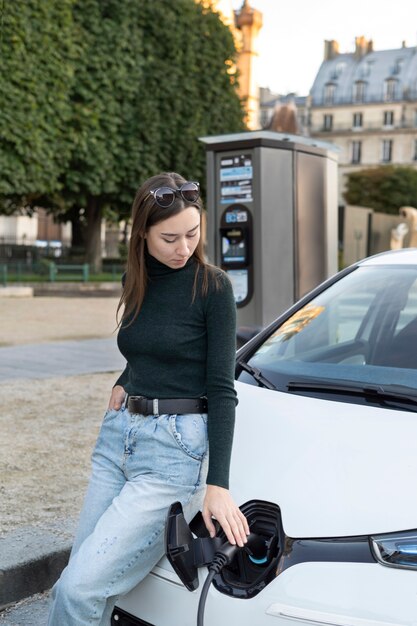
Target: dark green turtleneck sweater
<point>177,348</point>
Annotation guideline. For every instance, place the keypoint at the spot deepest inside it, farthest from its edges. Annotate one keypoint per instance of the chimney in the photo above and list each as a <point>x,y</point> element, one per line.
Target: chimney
<point>370,46</point>
<point>404,44</point>
<point>331,49</point>
<point>360,46</point>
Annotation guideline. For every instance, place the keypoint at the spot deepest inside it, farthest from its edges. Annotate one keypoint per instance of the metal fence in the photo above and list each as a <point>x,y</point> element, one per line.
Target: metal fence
<point>49,271</point>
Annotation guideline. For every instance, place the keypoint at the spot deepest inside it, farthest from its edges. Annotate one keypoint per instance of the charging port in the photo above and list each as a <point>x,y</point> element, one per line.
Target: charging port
<point>248,574</point>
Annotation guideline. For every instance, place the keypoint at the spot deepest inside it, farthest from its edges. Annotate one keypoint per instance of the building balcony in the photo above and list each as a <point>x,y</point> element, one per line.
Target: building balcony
<point>371,127</point>
<point>408,95</point>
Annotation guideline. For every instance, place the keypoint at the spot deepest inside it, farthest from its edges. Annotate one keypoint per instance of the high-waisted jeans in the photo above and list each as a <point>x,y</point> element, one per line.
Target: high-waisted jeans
<point>140,466</point>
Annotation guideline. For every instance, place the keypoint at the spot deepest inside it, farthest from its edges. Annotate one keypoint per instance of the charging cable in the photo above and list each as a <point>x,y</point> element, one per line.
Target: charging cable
<point>255,546</point>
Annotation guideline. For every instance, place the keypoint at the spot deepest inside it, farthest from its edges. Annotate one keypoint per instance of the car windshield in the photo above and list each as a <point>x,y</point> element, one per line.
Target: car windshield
<point>362,328</point>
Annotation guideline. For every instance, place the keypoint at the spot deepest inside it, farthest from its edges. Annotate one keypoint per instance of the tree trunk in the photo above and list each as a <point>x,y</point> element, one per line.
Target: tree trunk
<point>93,234</point>
<point>78,232</point>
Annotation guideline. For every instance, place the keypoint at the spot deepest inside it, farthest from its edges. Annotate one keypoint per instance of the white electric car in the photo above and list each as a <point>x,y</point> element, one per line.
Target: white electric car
<point>324,465</point>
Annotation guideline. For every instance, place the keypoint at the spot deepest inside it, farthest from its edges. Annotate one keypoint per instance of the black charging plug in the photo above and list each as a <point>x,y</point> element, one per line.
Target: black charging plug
<point>255,547</point>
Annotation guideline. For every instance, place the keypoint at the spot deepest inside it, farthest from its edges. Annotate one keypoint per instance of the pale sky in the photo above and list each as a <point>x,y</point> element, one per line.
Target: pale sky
<point>291,41</point>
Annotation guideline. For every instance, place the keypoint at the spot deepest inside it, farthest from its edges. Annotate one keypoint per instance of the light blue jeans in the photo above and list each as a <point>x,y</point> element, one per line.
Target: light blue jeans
<point>140,466</point>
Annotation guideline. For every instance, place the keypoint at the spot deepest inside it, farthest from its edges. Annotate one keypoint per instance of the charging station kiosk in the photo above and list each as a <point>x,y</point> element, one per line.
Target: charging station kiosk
<point>271,218</point>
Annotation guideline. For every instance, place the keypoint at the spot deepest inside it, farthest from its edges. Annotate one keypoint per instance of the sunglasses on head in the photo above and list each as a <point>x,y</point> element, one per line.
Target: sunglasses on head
<point>165,196</point>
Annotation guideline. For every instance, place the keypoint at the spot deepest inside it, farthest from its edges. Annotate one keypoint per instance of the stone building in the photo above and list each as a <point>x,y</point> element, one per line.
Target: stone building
<point>276,110</point>
<point>365,102</point>
<point>38,230</point>
<point>248,22</point>
<point>245,25</point>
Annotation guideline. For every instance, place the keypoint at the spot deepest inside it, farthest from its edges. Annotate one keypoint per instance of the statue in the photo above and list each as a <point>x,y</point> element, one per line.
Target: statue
<point>410,213</point>
<point>397,236</point>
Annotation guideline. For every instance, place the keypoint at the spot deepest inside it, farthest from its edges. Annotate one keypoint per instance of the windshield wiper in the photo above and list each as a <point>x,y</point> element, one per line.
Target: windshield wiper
<point>257,375</point>
<point>385,394</point>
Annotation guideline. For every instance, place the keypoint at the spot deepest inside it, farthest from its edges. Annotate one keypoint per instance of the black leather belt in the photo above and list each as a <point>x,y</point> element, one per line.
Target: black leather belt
<point>147,406</point>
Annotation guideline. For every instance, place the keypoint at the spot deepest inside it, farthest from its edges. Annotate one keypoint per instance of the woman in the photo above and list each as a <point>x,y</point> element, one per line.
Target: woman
<point>175,399</point>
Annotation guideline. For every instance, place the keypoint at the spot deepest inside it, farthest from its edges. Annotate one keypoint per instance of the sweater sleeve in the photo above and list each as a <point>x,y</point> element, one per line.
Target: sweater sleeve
<point>221,394</point>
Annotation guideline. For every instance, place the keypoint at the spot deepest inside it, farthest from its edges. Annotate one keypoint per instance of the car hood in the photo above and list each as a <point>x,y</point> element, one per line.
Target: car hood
<point>334,469</point>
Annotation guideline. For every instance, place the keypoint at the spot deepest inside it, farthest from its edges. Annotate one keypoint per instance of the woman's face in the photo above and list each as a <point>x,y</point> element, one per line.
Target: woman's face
<point>174,240</point>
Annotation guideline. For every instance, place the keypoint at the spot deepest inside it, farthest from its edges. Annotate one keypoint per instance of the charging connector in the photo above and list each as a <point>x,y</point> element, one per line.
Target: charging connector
<point>256,549</point>
<point>237,572</point>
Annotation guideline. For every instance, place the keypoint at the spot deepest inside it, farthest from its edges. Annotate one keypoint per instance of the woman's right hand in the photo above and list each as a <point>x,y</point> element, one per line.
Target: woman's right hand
<point>117,398</point>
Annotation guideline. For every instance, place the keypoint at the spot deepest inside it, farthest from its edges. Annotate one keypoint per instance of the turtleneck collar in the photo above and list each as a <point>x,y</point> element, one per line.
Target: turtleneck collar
<point>157,269</point>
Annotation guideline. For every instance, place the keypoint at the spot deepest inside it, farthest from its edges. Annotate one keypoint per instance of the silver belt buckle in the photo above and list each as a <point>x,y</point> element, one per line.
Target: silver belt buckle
<point>155,403</point>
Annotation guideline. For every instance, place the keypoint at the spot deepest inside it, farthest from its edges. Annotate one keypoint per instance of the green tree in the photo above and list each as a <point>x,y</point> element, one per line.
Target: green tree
<point>143,81</point>
<point>384,189</point>
<point>164,81</point>
<point>108,66</point>
<point>188,53</point>
<point>35,78</point>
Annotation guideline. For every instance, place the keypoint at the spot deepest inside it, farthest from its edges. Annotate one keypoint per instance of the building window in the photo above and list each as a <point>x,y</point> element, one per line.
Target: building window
<point>386,150</point>
<point>397,66</point>
<point>359,89</point>
<point>340,67</point>
<point>390,89</point>
<point>357,120</point>
<point>388,118</point>
<point>356,151</point>
<point>327,122</point>
<point>366,68</point>
<point>265,117</point>
<point>337,70</point>
<point>329,91</point>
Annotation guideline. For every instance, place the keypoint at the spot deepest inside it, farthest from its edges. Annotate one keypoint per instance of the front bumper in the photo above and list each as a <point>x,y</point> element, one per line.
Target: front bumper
<point>323,594</point>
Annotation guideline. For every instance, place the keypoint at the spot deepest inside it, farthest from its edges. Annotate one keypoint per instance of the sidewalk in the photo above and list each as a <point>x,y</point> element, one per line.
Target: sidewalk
<point>60,358</point>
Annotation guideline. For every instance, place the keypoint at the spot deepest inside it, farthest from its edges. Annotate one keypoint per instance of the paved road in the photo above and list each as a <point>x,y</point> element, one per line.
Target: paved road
<point>60,358</point>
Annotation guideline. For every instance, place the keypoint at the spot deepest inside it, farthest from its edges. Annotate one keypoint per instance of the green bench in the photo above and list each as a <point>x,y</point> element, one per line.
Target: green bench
<point>60,272</point>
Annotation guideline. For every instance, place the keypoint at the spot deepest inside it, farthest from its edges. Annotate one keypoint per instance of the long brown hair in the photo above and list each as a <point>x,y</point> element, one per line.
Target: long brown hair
<point>146,213</point>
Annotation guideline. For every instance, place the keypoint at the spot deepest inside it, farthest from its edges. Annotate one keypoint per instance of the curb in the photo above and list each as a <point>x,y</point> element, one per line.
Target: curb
<point>16,292</point>
<point>63,289</point>
<point>32,559</point>
<point>72,289</point>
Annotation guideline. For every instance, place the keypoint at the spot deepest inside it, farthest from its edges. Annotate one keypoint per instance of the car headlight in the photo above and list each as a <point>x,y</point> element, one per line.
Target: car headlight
<point>396,549</point>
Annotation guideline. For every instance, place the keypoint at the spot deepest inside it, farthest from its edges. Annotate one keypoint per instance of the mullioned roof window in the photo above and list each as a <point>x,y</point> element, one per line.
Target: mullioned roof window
<point>390,89</point>
<point>359,91</point>
<point>329,93</point>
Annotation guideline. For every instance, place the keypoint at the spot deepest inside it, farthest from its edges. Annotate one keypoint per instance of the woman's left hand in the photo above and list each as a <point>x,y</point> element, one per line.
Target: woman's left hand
<point>219,503</point>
